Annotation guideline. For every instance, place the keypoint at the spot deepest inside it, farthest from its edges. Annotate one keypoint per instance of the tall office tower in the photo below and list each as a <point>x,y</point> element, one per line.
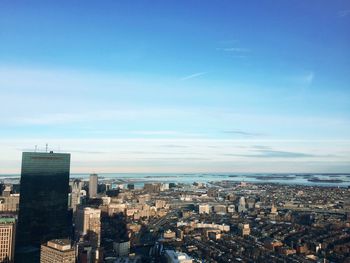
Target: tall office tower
<point>88,223</point>
<point>76,186</point>
<point>241,206</point>
<point>43,208</point>
<point>93,182</point>
<point>7,239</point>
<point>57,251</point>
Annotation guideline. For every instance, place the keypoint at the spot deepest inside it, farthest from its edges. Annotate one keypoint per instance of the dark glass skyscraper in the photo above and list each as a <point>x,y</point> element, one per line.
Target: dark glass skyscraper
<point>43,208</point>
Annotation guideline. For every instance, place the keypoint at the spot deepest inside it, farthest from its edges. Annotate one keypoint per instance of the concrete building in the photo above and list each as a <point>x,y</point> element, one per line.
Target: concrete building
<point>242,206</point>
<point>164,187</point>
<point>122,249</point>
<point>88,223</point>
<point>179,233</point>
<point>85,253</point>
<point>231,209</point>
<point>177,257</point>
<point>204,209</point>
<point>244,229</point>
<point>169,234</point>
<point>6,191</point>
<point>93,183</point>
<point>196,225</point>
<point>115,208</point>
<point>213,192</point>
<point>152,187</point>
<point>213,234</point>
<point>76,186</point>
<point>57,251</point>
<point>131,259</point>
<point>220,209</point>
<point>9,202</point>
<point>160,204</point>
<point>274,210</point>
<point>131,186</point>
<point>251,203</point>
<point>142,199</point>
<point>7,239</point>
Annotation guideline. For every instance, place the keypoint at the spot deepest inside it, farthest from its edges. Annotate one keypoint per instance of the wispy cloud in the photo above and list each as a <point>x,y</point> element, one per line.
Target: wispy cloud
<point>261,147</point>
<point>282,154</point>
<point>343,13</point>
<point>174,146</point>
<point>168,133</point>
<point>192,76</point>
<point>244,133</point>
<point>277,154</point>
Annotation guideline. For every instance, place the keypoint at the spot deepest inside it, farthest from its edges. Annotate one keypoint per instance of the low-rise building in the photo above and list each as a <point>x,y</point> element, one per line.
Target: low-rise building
<point>177,257</point>
<point>57,251</point>
<point>122,249</point>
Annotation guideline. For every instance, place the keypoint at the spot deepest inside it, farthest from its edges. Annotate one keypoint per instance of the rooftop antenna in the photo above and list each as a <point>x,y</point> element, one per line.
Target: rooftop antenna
<point>46,147</point>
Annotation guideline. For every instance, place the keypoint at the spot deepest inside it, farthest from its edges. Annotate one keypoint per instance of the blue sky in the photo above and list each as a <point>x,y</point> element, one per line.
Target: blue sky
<point>177,86</point>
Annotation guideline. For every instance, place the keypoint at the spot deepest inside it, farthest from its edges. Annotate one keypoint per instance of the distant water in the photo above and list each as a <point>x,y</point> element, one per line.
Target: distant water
<point>342,180</point>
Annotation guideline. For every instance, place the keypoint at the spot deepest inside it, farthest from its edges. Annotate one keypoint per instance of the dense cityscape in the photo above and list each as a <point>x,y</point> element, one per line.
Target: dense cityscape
<point>51,218</point>
<point>175,131</point>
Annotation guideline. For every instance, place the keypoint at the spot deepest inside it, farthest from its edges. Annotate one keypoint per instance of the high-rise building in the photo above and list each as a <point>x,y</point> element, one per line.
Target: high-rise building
<point>88,223</point>
<point>43,208</point>
<point>57,251</point>
<point>76,187</point>
<point>93,183</point>
<point>88,226</point>
<point>242,206</point>
<point>7,239</point>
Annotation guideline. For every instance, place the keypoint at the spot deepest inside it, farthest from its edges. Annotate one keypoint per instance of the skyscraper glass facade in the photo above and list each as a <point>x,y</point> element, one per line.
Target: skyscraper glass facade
<point>43,208</point>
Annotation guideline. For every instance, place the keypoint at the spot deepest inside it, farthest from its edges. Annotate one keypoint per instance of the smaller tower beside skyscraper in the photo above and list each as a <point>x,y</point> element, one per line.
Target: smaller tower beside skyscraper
<point>76,187</point>
<point>93,183</point>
